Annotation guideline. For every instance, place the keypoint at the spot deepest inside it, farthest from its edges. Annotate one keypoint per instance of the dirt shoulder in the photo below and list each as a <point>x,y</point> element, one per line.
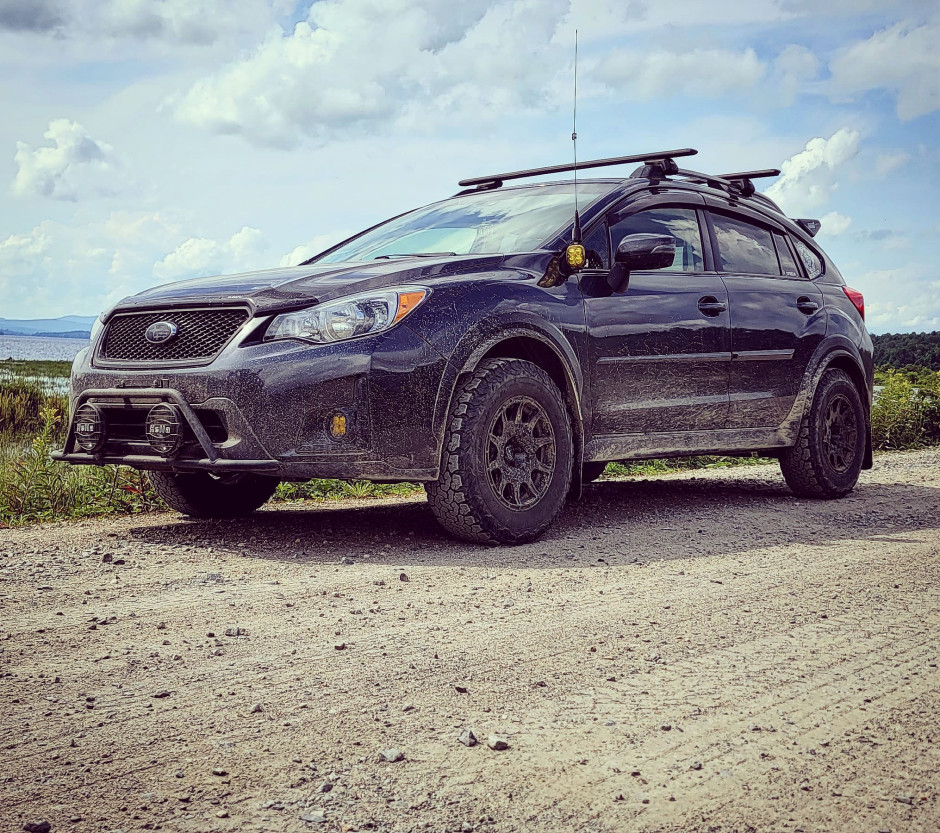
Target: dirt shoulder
<point>699,652</point>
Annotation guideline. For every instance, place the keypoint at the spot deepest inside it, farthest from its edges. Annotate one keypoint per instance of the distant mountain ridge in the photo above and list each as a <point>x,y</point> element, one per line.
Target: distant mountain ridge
<point>68,326</point>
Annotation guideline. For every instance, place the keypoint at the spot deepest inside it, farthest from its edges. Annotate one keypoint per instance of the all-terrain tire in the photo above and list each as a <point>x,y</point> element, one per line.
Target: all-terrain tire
<point>203,495</point>
<point>591,471</point>
<point>830,447</point>
<point>508,422</point>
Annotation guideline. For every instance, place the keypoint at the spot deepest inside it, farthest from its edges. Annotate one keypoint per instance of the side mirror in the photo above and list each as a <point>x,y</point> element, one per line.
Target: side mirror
<point>639,252</point>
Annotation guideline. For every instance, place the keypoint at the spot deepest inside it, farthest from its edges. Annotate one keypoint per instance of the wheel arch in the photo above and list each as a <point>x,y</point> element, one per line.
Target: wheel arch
<point>838,356</point>
<point>554,355</point>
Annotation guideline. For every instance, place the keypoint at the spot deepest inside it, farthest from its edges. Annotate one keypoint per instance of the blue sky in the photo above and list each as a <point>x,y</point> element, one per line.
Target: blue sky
<point>145,141</point>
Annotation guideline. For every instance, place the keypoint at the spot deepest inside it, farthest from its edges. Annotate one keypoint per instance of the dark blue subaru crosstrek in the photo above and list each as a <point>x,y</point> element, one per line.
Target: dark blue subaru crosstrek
<point>498,346</point>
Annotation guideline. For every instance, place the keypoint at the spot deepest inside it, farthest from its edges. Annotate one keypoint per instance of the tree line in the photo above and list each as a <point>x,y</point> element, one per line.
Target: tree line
<point>903,349</point>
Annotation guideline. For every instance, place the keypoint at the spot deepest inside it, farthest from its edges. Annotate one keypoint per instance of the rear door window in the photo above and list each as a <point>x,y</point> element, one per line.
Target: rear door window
<point>678,223</point>
<point>744,247</point>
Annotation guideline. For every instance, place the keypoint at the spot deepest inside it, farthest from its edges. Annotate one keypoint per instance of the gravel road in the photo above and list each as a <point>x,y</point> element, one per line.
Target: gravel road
<point>699,652</point>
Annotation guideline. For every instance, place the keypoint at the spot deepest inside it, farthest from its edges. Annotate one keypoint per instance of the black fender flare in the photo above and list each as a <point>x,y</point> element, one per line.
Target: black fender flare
<point>834,350</point>
<point>482,339</point>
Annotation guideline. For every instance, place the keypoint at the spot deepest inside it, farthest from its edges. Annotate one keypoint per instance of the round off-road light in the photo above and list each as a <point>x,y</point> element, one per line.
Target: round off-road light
<point>89,428</point>
<point>164,428</point>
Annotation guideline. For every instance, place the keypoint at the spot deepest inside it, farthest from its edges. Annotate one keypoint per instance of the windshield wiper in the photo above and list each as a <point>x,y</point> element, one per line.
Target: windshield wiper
<point>416,254</point>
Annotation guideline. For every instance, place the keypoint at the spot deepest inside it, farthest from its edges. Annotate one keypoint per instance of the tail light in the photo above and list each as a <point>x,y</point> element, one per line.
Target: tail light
<point>857,299</point>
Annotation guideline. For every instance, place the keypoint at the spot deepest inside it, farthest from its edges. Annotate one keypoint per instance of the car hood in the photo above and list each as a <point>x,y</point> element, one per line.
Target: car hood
<point>275,290</point>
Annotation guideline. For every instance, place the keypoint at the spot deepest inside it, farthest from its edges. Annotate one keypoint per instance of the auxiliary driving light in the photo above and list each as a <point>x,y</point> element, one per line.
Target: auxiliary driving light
<point>89,428</point>
<point>164,429</point>
<point>338,425</point>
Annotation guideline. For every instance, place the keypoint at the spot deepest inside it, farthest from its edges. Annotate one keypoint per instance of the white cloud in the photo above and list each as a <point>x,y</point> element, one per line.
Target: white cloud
<point>602,19</point>
<point>180,21</point>
<point>911,305</point>
<point>76,167</point>
<point>902,59</point>
<point>808,178</point>
<point>59,268</point>
<point>888,162</point>
<point>201,256</point>
<point>358,64</point>
<point>792,69</point>
<point>705,72</point>
<point>305,251</point>
<point>834,224</point>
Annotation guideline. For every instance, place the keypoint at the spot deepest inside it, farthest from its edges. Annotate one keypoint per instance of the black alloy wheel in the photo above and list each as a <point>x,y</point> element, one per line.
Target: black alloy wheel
<point>827,458</point>
<point>508,452</point>
<point>840,434</point>
<point>520,453</point>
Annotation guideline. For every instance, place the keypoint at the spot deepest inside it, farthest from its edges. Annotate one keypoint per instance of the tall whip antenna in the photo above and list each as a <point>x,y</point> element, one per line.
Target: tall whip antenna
<point>576,232</point>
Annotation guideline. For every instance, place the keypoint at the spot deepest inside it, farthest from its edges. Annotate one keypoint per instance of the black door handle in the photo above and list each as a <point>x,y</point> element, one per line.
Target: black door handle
<point>806,304</point>
<point>710,305</point>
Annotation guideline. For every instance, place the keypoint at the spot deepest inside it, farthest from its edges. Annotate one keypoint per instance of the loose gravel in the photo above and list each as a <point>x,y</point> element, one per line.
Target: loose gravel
<point>700,652</point>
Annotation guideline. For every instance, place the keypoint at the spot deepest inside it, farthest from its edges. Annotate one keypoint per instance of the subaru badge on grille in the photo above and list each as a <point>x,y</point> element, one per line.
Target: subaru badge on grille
<point>160,332</point>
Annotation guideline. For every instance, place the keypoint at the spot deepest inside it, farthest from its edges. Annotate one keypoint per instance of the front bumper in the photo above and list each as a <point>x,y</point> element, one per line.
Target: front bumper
<point>266,408</point>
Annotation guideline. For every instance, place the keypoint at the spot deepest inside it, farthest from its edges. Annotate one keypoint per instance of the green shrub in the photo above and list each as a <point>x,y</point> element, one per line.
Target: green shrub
<point>34,488</point>
<point>906,411</point>
<point>21,404</point>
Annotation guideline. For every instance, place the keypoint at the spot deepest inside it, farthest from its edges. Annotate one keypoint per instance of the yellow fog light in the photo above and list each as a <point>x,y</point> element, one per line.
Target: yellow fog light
<point>575,256</point>
<point>338,426</point>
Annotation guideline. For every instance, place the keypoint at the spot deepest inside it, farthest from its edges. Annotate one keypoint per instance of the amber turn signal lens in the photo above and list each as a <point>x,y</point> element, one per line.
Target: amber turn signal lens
<point>575,255</point>
<point>338,426</point>
<point>407,301</point>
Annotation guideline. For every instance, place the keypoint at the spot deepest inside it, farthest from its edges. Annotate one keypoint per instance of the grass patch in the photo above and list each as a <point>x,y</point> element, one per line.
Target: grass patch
<point>652,468</point>
<point>33,368</point>
<point>906,412</point>
<point>343,490</point>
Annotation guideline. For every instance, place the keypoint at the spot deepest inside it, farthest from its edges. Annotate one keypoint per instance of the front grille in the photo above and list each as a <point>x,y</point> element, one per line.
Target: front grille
<point>200,336</point>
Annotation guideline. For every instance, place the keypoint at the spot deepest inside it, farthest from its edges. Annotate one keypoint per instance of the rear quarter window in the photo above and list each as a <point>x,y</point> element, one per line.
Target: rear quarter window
<point>811,261</point>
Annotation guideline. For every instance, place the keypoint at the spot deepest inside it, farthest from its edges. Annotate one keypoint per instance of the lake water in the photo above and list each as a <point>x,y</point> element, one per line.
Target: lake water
<point>49,349</point>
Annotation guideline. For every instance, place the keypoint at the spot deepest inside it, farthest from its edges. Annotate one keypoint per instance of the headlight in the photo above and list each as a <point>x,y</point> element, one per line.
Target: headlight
<point>357,315</point>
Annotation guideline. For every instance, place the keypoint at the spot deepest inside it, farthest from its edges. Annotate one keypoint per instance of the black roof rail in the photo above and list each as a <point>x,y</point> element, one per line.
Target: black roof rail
<point>496,180</point>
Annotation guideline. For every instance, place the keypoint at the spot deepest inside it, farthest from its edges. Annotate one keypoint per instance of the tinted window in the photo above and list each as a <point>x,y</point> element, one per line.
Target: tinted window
<point>595,241</point>
<point>810,260</point>
<point>787,264</point>
<point>743,247</point>
<point>679,223</point>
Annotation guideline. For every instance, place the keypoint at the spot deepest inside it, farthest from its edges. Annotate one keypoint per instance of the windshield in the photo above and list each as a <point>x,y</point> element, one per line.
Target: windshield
<point>484,222</point>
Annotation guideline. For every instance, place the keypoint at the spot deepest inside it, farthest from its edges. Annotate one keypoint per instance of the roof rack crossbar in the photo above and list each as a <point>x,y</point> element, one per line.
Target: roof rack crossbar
<point>696,176</point>
<point>737,183</point>
<point>493,179</point>
<point>752,174</point>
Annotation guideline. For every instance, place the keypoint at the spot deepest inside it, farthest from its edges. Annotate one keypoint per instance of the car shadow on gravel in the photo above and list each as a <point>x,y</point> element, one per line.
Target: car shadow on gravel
<point>615,522</point>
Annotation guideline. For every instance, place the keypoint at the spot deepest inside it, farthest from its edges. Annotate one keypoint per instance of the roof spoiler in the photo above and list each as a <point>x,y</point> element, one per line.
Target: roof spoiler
<point>811,227</point>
